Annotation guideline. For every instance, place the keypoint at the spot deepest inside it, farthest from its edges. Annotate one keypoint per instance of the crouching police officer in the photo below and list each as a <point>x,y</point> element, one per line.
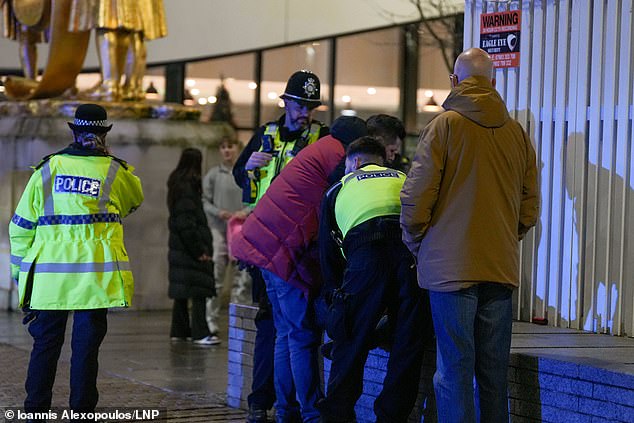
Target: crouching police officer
<point>360,214</point>
<point>67,253</point>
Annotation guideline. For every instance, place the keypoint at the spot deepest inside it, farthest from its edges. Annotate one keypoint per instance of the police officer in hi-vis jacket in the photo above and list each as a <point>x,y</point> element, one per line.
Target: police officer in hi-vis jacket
<point>67,254</point>
<point>367,270</point>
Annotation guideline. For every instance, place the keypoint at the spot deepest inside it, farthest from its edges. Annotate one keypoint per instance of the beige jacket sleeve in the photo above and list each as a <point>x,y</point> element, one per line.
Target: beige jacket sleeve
<point>421,188</point>
<point>529,206</point>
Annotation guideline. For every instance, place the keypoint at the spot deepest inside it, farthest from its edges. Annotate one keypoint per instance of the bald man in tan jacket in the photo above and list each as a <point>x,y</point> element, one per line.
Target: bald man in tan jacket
<point>469,198</point>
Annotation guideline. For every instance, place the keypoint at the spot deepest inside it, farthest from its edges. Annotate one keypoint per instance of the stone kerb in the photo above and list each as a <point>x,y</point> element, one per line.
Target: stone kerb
<point>541,389</point>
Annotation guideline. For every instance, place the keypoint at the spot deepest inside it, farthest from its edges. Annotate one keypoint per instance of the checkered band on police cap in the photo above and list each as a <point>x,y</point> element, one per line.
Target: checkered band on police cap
<point>91,118</point>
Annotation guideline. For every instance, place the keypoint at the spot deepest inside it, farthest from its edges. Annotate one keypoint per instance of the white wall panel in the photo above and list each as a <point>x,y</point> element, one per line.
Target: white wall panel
<point>205,28</point>
<point>573,92</point>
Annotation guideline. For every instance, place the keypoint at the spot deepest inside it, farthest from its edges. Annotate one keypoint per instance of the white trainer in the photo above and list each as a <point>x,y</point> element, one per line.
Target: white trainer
<point>208,340</point>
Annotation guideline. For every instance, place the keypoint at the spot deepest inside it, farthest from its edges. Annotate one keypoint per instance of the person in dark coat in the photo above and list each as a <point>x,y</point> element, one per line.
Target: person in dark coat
<point>190,251</point>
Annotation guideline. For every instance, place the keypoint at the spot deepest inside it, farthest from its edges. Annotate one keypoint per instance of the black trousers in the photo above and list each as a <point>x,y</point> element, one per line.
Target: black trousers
<point>262,394</point>
<point>379,276</point>
<point>181,327</point>
<point>47,327</point>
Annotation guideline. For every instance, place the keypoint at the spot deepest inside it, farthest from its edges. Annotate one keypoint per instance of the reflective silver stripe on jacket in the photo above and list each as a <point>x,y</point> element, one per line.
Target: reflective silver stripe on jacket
<point>111,266</point>
<point>47,188</point>
<point>107,185</point>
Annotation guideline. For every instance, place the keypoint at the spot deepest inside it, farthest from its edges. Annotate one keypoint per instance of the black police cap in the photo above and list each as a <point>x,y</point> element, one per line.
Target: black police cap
<point>90,118</point>
<point>303,87</point>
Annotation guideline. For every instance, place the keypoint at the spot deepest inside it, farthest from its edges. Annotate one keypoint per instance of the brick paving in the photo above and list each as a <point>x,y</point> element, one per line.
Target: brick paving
<point>115,392</point>
<point>130,377</point>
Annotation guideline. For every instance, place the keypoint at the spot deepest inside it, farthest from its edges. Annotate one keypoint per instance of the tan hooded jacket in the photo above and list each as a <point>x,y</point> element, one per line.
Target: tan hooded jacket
<point>471,193</point>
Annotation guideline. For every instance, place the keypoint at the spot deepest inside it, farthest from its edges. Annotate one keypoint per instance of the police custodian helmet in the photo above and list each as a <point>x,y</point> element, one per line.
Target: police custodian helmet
<point>303,87</point>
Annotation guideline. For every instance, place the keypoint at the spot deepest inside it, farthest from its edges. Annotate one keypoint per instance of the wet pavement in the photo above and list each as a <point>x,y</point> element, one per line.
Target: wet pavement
<point>140,369</point>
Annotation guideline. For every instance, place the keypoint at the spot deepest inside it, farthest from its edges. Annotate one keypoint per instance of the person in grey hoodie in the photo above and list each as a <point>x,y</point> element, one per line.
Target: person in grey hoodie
<point>470,197</point>
<point>222,200</point>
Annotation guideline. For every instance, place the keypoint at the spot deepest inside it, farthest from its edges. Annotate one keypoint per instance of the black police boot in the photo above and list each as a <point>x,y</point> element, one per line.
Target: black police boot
<point>326,350</point>
<point>256,415</point>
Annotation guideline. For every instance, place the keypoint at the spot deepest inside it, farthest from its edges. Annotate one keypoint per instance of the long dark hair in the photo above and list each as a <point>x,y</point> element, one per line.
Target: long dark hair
<point>187,172</point>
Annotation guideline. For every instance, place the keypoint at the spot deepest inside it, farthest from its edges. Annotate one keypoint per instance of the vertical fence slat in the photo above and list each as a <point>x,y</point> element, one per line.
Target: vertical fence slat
<point>522,115</point>
<point>607,155</point>
<point>525,60</point>
<point>550,167</point>
<point>574,173</point>
<point>560,201</point>
<point>630,215</point>
<point>547,248</point>
<point>535,122</point>
<point>594,143</point>
<point>624,89</point>
<point>471,18</point>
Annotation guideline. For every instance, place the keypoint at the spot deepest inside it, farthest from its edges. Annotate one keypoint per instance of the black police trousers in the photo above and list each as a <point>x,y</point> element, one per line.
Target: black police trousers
<point>379,276</point>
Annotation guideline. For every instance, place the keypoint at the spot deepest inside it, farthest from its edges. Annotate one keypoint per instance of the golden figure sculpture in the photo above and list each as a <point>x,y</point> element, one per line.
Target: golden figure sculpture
<point>121,28</point>
<point>26,22</point>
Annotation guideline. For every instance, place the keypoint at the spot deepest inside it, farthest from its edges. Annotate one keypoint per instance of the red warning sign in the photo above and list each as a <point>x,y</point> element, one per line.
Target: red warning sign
<point>500,37</point>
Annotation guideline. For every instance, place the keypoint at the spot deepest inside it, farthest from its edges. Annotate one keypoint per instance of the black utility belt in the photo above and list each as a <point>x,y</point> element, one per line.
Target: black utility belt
<point>376,229</point>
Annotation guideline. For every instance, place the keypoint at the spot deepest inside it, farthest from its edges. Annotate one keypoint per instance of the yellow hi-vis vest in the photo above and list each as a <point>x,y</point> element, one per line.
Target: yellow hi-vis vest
<point>66,236</point>
<point>283,153</point>
<point>369,192</point>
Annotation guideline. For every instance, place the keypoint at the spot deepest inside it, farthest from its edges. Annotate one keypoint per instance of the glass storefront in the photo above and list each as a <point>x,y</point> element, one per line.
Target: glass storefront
<point>367,73</point>
<point>232,78</point>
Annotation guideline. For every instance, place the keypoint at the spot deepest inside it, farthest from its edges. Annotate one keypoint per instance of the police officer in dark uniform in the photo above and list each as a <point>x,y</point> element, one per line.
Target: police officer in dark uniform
<point>271,148</point>
<point>360,218</point>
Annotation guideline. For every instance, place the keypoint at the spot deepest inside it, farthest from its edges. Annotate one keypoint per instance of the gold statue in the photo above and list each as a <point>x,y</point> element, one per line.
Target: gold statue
<point>26,22</point>
<point>121,29</point>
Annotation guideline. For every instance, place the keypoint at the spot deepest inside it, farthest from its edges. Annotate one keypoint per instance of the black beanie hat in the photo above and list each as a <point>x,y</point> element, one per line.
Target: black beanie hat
<point>348,128</point>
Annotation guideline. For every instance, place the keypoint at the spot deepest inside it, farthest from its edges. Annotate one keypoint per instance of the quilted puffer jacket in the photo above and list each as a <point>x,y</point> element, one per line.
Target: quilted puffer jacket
<point>280,235</point>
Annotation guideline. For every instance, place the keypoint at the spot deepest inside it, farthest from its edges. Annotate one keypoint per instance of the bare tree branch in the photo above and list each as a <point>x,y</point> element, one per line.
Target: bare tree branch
<point>437,25</point>
<point>446,42</point>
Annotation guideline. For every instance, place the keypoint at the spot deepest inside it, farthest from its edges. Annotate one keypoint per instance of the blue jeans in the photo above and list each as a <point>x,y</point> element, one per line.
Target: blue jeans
<point>473,335</point>
<point>296,367</point>
<point>47,327</point>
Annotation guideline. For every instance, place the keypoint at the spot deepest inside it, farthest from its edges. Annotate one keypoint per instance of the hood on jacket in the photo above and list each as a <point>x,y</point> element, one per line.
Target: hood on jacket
<point>476,99</point>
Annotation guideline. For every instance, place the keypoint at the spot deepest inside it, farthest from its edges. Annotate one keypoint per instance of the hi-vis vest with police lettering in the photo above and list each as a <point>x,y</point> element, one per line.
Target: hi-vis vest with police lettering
<point>369,192</point>
<point>67,250</point>
<point>283,152</point>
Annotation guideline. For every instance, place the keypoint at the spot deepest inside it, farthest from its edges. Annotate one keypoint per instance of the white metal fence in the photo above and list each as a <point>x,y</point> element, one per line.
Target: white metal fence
<point>573,92</point>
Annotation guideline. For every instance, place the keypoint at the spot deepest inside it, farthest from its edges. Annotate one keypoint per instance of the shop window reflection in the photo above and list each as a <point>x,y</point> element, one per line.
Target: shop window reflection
<point>367,74</point>
<point>218,81</point>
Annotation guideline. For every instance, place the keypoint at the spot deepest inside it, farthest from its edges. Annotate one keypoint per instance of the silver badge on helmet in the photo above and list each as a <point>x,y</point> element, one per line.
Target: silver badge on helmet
<point>310,87</point>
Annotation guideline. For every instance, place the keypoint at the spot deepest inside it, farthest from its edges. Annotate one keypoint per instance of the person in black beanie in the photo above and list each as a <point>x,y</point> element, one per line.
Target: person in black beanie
<point>279,237</point>
<point>271,148</point>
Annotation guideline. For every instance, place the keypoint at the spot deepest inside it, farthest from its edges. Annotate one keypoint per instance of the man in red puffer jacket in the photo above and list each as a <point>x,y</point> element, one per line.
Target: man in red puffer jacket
<point>279,237</point>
